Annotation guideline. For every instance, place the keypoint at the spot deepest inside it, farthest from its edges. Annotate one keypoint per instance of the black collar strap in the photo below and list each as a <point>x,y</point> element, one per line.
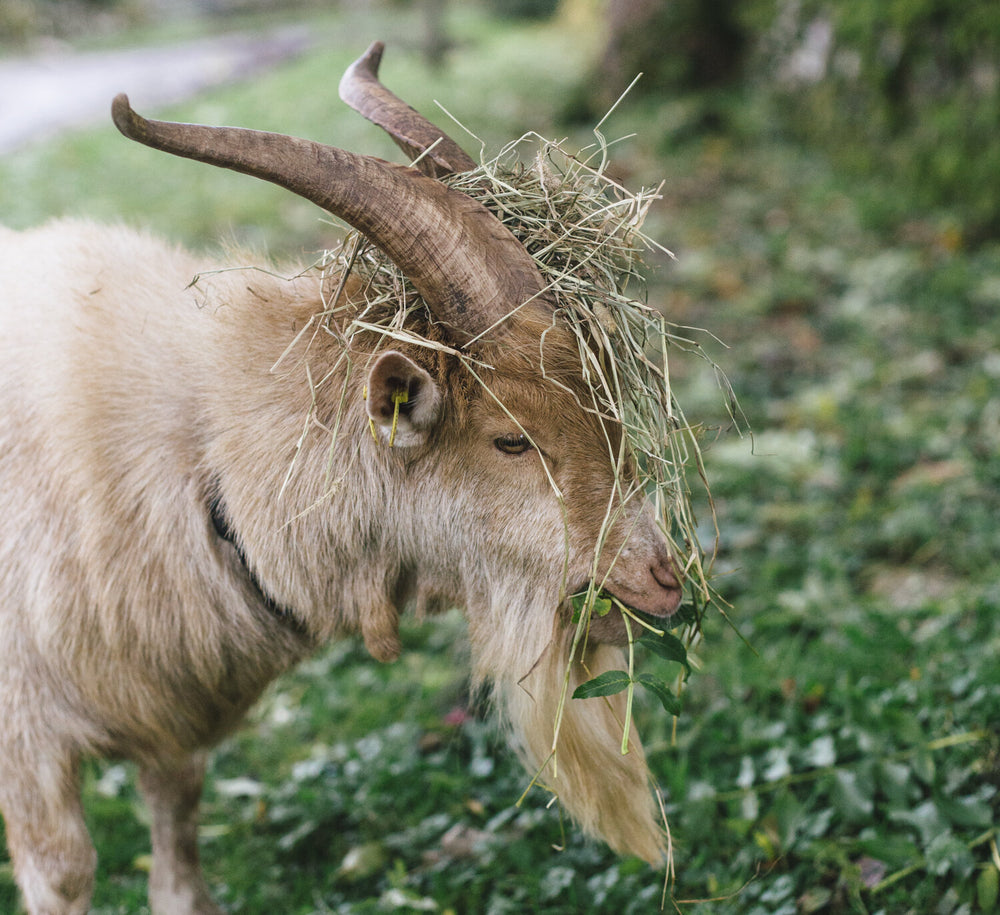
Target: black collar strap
<point>217,509</point>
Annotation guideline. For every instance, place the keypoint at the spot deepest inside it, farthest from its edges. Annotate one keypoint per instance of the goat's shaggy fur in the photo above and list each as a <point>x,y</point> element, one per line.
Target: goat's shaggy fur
<point>139,408</point>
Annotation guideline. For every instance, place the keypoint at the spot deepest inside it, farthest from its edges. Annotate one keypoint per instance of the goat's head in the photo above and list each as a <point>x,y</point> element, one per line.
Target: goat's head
<point>524,497</point>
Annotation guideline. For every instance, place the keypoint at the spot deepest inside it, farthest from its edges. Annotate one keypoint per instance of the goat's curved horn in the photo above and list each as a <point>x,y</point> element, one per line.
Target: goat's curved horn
<point>469,268</point>
<point>412,132</point>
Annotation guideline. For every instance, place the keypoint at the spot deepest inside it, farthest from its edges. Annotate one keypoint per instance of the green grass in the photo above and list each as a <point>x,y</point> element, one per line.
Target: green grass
<point>849,761</point>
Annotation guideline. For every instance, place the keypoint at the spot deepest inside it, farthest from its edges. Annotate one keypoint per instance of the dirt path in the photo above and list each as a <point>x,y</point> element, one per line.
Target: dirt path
<point>45,93</point>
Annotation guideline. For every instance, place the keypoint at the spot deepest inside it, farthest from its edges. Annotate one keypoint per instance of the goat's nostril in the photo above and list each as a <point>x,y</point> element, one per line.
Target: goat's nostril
<point>664,575</point>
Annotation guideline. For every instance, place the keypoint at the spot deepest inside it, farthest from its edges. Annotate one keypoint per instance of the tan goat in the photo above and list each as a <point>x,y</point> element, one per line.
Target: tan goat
<point>160,565</point>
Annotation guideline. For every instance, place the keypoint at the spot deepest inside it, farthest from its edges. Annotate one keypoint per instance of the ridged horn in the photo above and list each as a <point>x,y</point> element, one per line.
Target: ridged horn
<point>412,132</point>
<point>469,268</point>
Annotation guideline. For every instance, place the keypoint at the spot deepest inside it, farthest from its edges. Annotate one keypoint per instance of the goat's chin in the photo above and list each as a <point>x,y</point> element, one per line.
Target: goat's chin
<point>609,629</point>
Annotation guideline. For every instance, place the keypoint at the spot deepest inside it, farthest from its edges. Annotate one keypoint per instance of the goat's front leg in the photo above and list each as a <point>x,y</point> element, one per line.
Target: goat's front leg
<point>176,886</point>
<point>53,856</point>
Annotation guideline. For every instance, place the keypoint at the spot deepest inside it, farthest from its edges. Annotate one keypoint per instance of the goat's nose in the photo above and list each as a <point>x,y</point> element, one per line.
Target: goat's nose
<point>664,567</point>
<point>663,572</point>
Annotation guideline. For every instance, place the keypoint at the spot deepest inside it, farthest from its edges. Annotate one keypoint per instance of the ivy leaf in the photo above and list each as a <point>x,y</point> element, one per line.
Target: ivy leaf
<point>602,606</point>
<point>606,684</point>
<point>987,888</point>
<point>662,692</point>
<point>666,646</point>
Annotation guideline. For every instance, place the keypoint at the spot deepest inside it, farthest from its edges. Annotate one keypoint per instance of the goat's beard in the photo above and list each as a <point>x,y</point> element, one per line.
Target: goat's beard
<point>523,654</point>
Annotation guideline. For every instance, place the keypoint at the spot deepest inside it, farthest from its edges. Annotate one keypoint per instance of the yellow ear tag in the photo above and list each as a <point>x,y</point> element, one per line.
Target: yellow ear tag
<point>398,397</point>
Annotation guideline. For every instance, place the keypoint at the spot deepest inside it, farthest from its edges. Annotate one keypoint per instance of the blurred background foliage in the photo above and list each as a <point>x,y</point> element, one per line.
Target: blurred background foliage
<point>832,193</point>
<point>907,91</point>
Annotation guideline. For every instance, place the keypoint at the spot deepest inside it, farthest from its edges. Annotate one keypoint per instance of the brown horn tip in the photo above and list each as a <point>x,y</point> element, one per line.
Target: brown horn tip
<point>438,154</point>
<point>126,120</point>
<point>369,62</point>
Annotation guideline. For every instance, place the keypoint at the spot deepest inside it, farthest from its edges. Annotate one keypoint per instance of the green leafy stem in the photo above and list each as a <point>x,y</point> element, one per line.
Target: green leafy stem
<point>658,641</point>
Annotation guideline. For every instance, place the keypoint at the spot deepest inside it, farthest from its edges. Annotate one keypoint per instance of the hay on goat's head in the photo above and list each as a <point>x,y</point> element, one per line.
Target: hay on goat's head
<point>584,231</point>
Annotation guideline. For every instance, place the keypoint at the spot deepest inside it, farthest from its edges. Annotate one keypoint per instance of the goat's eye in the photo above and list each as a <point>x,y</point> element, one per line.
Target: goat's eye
<point>512,443</point>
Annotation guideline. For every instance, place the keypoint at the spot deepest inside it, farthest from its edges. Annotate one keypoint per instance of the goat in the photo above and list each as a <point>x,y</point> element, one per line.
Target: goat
<point>161,564</point>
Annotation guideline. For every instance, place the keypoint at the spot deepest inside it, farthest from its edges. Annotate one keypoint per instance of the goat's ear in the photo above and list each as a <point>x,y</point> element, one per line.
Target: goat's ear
<point>402,400</point>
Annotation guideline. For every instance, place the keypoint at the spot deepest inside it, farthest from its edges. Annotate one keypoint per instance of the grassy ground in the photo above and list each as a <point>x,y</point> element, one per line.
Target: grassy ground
<point>838,750</point>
